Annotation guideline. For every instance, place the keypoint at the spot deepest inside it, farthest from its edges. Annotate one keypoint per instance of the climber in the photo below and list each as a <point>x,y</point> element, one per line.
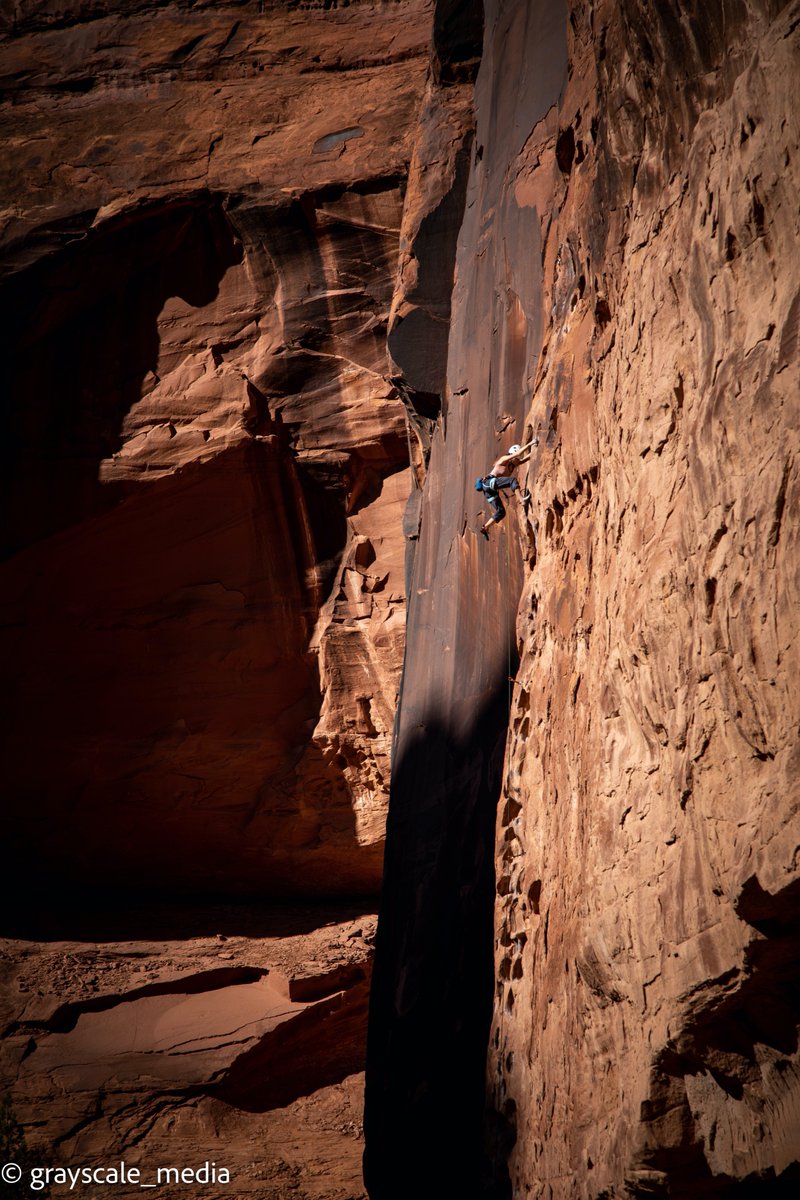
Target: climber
<point>500,476</point>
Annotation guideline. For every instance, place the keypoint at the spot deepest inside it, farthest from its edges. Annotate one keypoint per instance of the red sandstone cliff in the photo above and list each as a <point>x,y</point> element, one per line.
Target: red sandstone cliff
<point>646,1027</point>
<point>205,468</point>
<point>216,220</point>
<point>626,284</point>
<point>204,473</point>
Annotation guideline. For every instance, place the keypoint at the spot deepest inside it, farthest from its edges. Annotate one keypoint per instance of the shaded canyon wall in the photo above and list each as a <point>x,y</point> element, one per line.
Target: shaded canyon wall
<point>205,468</point>
<point>205,464</point>
<point>626,285</point>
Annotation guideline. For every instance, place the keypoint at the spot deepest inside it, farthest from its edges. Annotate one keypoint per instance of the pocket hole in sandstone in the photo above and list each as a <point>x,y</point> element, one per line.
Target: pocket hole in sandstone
<point>511,851</point>
<point>565,149</point>
<point>517,970</point>
<point>711,596</point>
<point>512,810</point>
<point>553,421</point>
<point>602,312</point>
<point>758,215</point>
<point>534,895</point>
<point>330,140</point>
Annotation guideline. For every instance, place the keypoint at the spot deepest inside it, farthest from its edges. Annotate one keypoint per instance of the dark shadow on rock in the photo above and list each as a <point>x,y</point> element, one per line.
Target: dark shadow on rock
<point>316,1049</point>
<point>81,329</point>
<point>696,1182</point>
<point>100,915</point>
<point>120,749</point>
<point>730,1042</point>
<point>431,1001</point>
<point>457,40</point>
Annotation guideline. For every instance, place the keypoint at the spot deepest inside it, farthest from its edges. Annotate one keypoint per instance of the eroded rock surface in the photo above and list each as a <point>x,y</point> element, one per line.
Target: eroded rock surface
<point>205,466</point>
<point>142,1033</point>
<point>204,259</point>
<point>645,1034</point>
<point>626,285</point>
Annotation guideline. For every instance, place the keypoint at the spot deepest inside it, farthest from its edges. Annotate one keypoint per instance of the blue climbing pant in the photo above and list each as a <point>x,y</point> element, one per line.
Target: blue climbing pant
<point>491,484</point>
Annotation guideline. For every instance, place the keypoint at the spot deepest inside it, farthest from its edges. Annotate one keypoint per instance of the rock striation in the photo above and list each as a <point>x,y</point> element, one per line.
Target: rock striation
<point>626,285</point>
<point>647,849</point>
<point>206,464</point>
<point>205,469</point>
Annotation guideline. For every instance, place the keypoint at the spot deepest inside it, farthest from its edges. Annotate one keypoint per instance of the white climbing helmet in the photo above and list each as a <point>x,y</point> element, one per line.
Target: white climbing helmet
<point>515,449</point>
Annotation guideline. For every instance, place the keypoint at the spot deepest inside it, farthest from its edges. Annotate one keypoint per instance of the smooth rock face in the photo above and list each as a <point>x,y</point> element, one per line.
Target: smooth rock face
<point>204,472</point>
<point>626,285</point>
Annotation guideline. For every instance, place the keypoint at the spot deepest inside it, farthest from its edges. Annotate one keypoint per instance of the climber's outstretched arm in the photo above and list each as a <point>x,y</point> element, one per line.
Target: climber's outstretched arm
<point>509,461</point>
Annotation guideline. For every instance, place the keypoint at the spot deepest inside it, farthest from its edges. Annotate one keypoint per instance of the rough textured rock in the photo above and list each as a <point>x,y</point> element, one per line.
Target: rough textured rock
<point>599,241</point>
<point>626,285</point>
<point>205,460</point>
<point>646,1017</point>
<point>152,1035</point>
